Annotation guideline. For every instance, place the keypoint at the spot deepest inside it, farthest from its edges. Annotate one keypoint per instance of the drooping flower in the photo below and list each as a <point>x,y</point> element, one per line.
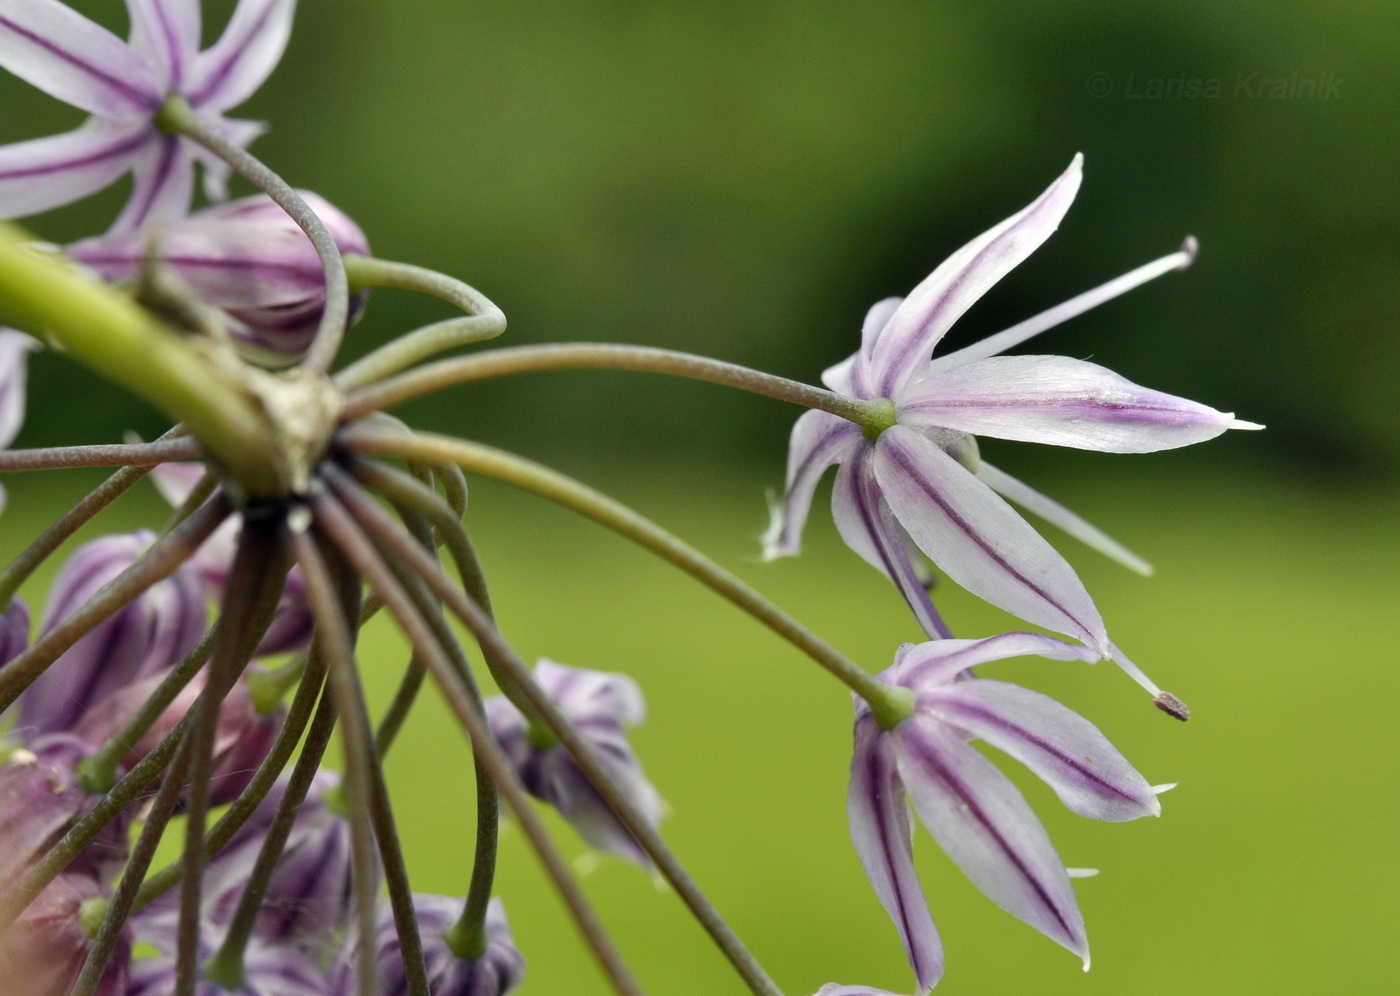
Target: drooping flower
<point>246,257</point>
<point>242,739</point>
<point>974,812</point>
<point>916,478</point>
<point>498,970</point>
<point>309,899</point>
<point>291,624</point>
<point>598,704</point>
<point>270,970</point>
<point>14,369</point>
<point>123,85</point>
<point>150,634</point>
<point>43,951</point>
<point>40,800</point>
<point>14,630</point>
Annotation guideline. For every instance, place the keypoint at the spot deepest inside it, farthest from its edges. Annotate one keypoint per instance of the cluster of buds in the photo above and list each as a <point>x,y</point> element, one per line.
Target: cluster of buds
<point>130,706</point>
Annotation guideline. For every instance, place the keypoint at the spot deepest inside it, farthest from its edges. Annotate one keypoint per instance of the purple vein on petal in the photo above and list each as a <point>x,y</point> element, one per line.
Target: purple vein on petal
<point>137,96</point>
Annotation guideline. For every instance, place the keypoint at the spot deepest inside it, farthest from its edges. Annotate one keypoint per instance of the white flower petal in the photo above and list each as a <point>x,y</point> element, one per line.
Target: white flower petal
<point>979,541</point>
<point>167,33</point>
<point>1053,512</point>
<point>879,822</point>
<point>926,667</point>
<point>983,823</point>
<point>869,528</point>
<point>904,346</point>
<point>69,57</point>
<point>227,73</point>
<point>1059,401</point>
<point>49,172</point>
<point>1066,750</point>
<point>163,182</point>
<point>819,439</point>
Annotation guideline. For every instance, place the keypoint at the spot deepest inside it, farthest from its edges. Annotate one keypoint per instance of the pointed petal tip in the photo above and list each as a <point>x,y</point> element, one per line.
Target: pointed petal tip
<point>1189,249</point>
<point>1239,423</point>
<point>1172,706</point>
<point>1164,787</point>
<point>1082,872</point>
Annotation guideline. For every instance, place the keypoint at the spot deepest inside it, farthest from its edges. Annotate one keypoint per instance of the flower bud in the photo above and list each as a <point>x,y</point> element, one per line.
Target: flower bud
<point>246,257</point>
<point>498,971</point>
<point>150,634</point>
<point>44,950</point>
<point>597,704</point>
<point>14,630</point>
<point>270,971</point>
<point>309,899</point>
<point>40,799</point>
<point>243,738</point>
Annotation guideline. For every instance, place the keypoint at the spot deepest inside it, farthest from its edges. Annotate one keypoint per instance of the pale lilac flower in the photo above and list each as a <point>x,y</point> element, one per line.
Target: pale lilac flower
<point>309,899</point>
<point>833,989</point>
<point>598,704</point>
<point>14,630</point>
<point>246,257</point>
<point>499,970</point>
<point>14,368</point>
<point>123,86</point>
<point>270,970</point>
<point>974,812</point>
<point>149,634</point>
<point>43,951</point>
<point>291,623</point>
<point>40,800</point>
<point>242,740</point>
<point>917,480</point>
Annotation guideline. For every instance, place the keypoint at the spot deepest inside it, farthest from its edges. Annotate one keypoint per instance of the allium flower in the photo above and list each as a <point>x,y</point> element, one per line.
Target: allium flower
<point>498,971</point>
<point>246,257</point>
<point>150,634</point>
<point>270,971</point>
<point>14,353</point>
<point>291,624</point>
<point>309,898</point>
<point>598,704</point>
<point>832,989</point>
<point>44,950</point>
<point>918,478</point>
<point>241,742</point>
<point>14,630</point>
<point>973,811</point>
<point>123,86</point>
<point>40,799</point>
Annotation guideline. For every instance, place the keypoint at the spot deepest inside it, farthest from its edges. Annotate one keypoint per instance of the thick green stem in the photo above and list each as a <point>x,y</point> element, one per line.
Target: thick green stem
<point>106,330</point>
<point>889,704</point>
<point>484,320</point>
<point>602,356</point>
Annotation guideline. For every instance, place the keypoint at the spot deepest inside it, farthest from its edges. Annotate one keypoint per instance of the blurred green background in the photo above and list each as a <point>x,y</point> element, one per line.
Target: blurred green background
<point>743,180</point>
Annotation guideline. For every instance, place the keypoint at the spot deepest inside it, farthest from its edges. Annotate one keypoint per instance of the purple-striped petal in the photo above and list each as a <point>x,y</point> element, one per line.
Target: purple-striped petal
<point>835,989</point>
<point>14,366</point>
<point>163,182</point>
<point>869,528</point>
<point>984,824</point>
<point>226,74</point>
<point>819,439</point>
<point>588,696</point>
<point>43,951</point>
<point>49,172</point>
<point>61,52</point>
<point>880,829</point>
<point>1066,750</point>
<point>166,32</point>
<point>979,540</point>
<point>1059,401</point>
<point>904,346</point>
<point>851,375</point>
<point>150,634</point>
<point>926,668</point>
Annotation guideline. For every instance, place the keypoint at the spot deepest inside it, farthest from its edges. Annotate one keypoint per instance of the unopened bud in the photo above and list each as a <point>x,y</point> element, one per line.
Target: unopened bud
<point>246,257</point>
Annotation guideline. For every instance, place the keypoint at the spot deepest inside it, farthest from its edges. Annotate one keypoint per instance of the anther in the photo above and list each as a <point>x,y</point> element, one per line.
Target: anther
<point>1172,706</point>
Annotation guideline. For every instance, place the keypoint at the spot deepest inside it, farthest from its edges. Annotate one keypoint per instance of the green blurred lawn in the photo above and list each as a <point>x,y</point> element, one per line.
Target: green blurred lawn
<point>1273,869</point>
